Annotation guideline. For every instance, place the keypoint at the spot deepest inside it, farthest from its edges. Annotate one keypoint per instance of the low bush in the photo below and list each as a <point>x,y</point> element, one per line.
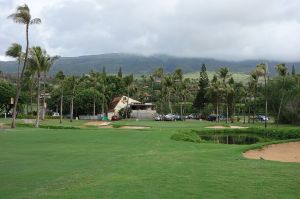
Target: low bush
<point>25,116</point>
<point>270,133</point>
<point>190,136</point>
<point>47,126</point>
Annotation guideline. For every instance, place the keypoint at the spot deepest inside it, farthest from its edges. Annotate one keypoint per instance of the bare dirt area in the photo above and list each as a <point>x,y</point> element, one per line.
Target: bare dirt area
<point>226,127</point>
<point>99,124</point>
<point>287,152</point>
<point>134,127</point>
<point>2,126</point>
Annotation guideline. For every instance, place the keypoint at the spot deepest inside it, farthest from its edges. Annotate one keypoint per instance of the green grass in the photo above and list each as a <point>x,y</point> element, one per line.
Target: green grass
<point>117,163</point>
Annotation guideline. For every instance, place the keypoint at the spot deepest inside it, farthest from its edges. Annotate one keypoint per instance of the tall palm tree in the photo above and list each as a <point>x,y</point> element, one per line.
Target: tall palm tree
<point>36,61</point>
<point>158,77</point>
<point>15,51</point>
<point>60,78</point>
<point>215,91</point>
<point>224,75</point>
<point>95,82</point>
<point>282,71</point>
<point>185,93</point>
<point>253,89</point>
<point>22,16</point>
<point>73,83</point>
<point>168,85</point>
<point>262,71</point>
<point>49,61</point>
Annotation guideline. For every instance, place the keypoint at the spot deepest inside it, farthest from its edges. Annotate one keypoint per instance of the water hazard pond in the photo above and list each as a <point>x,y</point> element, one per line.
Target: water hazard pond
<point>231,139</point>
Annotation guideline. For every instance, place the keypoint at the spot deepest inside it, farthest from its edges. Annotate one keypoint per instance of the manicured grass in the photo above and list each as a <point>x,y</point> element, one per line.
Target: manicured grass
<point>118,163</point>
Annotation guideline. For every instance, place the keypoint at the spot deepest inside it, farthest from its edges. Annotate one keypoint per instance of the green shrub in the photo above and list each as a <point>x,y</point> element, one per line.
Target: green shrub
<point>116,125</point>
<point>24,116</point>
<point>47,126</point>
<point>269,133</point>
<point>190,136</point>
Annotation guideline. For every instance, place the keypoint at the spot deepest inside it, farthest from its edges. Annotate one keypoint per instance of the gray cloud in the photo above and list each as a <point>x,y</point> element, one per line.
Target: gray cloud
<point>227,29</point>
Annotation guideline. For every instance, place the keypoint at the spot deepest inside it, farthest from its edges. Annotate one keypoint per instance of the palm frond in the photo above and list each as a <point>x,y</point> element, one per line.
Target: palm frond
<point>15,50</point>
<point>36,21</point>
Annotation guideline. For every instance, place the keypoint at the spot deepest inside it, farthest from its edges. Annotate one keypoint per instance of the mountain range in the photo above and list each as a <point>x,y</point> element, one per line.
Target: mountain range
<point>140,64</point>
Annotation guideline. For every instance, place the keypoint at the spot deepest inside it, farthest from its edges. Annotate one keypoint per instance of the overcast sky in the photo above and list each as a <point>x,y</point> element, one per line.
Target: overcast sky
<point>222,29</point>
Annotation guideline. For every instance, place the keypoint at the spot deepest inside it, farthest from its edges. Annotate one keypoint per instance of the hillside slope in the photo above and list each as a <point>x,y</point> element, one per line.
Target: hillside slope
<point>139,64</point>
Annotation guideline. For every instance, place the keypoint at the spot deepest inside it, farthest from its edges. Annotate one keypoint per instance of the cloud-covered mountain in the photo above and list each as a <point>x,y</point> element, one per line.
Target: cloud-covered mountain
<point>139,64</point>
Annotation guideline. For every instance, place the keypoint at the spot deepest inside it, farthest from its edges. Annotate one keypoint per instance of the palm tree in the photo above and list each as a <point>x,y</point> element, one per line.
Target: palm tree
<point>45,68</point>
<point>185,92</point>
<point>60,78</point>
<point>22,16</point>
<point>36,61</point>
<point>262,71</point>
<point>215,91</point>
<point>15,51</point>
<point>253,89</point>
<point>39,61</point>
<point>128,80</point>
<point>158,77</point>
<point>168,85</point>
<point>282,72</point>
<point>224,75</point>
<point>95,81</point>
<point>72,83</point>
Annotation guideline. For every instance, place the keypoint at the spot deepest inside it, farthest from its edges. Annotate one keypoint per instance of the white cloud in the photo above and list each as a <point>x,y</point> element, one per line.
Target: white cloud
<point>227,29</point>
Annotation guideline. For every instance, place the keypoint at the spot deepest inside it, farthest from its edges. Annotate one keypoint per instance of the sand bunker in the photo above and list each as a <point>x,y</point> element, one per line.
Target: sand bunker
<point>287,152</point>
<point>134,127</point>
<point>97,123</point>
<point>226,127</point>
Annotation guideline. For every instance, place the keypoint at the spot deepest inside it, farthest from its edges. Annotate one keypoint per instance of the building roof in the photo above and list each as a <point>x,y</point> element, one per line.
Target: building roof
<point>116,101</point>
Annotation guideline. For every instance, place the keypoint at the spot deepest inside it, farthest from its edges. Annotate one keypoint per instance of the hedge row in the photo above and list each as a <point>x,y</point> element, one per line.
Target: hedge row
<point>271,133</point>
<point>47,126</point>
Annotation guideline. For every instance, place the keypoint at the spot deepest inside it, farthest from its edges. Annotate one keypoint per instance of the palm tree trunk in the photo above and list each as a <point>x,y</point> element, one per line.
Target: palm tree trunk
<point>218,119</point>
<point>19,87</point>
<point>61,104</point>
<point>71,109</point>
<point>31,97</point>
<point>37,123</point>
<point>169,102</point>
<point>227,112</point>
<point>244,112</point>
<point>94,104</point>
<point>44,98</point>
<point>281,101</point>
<point>266,102</point>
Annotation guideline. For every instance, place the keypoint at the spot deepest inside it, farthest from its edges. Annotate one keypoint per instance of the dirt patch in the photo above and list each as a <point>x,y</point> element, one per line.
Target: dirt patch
<point>3,126</point>
<point>287,152</point>
<point>134,127</point>
<point>226,127</point>
<point>97,123</point>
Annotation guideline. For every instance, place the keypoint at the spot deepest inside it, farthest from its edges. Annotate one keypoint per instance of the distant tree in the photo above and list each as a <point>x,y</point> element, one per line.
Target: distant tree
<point>214,92</point>
<point>224,76</point>
<point>22,16</point>
<point>7,91</point>
<point>71,84</point>
<point>282,71</point>
<point>128,80</point>
<point>293,70</point>
<point>120,74</point>
<point>203,85</point>
<point>262,71</point>
<point>103,70</point>
<point>252,88</point>
<point>60,77</point>
<point>39,61</point>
